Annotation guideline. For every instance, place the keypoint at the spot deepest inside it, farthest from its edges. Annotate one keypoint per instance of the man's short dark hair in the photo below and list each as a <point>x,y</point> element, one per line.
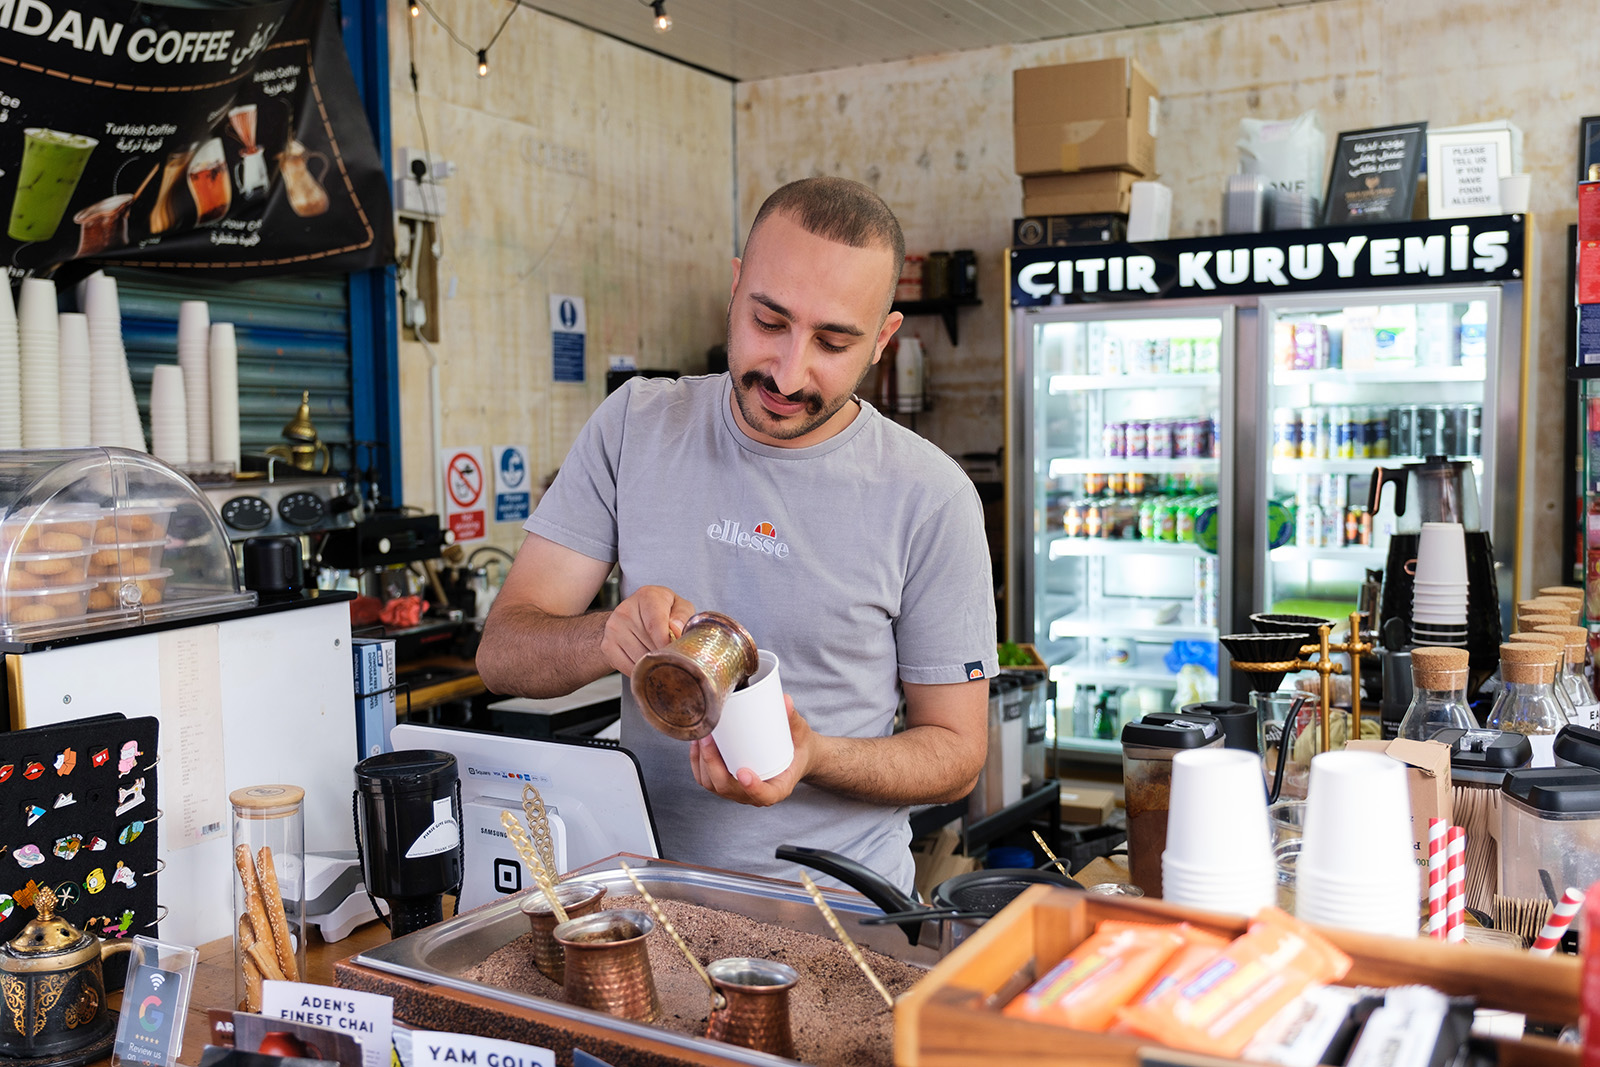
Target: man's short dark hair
<point>838,209</point>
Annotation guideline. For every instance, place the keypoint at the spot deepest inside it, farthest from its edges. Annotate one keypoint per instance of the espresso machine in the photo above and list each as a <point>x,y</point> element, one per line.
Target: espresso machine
<point>1438,489</point>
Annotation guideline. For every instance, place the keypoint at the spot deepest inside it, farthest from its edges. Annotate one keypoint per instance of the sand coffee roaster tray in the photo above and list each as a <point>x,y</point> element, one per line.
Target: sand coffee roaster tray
<point>427,972</point>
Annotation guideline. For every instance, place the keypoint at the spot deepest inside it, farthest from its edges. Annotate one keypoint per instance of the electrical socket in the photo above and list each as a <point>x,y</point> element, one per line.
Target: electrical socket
<point>425,198</point>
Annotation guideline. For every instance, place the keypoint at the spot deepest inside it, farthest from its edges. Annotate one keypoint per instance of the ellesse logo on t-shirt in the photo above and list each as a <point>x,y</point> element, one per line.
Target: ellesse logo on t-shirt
<point>764,538</point>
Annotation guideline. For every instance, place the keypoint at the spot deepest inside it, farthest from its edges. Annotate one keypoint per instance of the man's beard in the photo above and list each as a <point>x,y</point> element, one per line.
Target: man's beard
<point>816,412</point>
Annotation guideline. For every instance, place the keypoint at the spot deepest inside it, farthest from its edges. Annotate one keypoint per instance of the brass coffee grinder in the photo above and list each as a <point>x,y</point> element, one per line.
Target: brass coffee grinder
<point>304,445</point>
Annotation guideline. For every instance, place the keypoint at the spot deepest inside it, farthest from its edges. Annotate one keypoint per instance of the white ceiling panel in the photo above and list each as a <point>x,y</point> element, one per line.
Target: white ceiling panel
<point>747,40</point>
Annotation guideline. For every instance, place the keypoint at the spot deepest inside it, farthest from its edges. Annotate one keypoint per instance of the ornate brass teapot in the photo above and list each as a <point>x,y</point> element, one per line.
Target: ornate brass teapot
<point>52,990</point>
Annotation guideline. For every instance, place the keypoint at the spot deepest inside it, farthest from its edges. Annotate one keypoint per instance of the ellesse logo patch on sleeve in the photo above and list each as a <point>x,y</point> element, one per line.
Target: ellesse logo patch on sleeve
<point>974,670</point>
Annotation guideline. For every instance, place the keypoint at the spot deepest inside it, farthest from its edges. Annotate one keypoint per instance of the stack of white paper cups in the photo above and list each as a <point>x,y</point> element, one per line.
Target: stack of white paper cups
<point>38,344</point>
<point>169,415</point>
<point>1219,844</point>
<point>194,356</point>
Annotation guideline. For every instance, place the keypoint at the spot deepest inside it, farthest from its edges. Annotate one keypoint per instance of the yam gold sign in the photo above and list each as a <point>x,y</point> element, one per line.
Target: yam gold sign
<point>185,139</point>
<point>1436,252</point>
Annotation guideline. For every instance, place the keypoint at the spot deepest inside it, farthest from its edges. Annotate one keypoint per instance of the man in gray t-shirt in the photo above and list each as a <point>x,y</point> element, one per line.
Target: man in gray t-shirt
<point>845,544</point>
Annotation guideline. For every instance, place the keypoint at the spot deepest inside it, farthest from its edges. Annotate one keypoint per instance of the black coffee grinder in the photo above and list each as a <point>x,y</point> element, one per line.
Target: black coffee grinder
<point>1438,489</point>
<point>408,830</point>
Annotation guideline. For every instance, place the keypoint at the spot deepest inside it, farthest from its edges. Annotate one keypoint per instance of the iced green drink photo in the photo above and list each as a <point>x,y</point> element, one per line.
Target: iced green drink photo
<point>52,163</point>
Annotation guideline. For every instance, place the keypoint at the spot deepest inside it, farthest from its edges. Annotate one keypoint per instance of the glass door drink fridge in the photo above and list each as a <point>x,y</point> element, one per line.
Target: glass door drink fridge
<point>1193,427</point>
<point>1376,379</point>
<point>1121,464</point>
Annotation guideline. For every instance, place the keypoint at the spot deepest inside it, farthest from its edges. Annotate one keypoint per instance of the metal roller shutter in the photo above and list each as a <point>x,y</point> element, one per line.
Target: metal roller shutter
<point>293,334</point>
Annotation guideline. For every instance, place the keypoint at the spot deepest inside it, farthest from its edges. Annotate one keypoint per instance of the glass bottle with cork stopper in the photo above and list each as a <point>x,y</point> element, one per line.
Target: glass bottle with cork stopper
<point>269,903</point>
<point>1527,702</point>
<point>1439,694</point>
<point>1531,637</point>
<point>1573,679</point>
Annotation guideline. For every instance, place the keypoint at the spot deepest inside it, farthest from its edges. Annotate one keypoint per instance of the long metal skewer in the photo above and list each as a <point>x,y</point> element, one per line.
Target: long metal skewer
<point>1051,856</point>
<point>849,945</point>
<point>717,1000</point>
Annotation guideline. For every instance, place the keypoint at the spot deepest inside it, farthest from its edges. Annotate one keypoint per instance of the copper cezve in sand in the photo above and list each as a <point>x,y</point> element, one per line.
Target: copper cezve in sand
<point>607,967</point>
<point>755,1012</point>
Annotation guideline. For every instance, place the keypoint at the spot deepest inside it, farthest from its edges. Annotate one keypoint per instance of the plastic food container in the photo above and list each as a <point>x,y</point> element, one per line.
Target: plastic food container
<point>99,538</point>
<point>147,590</point>
<point>33,606</point>
<point>1549,831</point>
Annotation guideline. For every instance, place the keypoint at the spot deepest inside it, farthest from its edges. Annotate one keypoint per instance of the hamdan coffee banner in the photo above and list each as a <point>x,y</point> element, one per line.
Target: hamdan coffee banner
<point>221,140</point>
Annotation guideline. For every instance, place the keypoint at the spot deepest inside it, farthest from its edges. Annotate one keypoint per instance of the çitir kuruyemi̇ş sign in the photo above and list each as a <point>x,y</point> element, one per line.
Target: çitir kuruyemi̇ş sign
<point>188,139</point>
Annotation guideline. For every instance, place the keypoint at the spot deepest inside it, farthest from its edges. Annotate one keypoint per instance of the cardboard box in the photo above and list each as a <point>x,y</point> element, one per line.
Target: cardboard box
<point>1084,116</point>
<point>1091,192</point>
<point>1589,211</point>
<point>1089,806</point>
<point>937,860</point>
<point>1428,775</point>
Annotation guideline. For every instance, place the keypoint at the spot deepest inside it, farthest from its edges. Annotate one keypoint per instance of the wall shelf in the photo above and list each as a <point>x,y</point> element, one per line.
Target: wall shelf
<point>945,308</point>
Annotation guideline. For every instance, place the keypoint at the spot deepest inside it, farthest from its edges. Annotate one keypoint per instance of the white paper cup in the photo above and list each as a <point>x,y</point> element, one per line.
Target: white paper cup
<point>36,307</point>
<point>1358,817</point>
<point>1217,814</point>
<point>1515,192</point>
<point>753,731</point>
<point>1442,553</point>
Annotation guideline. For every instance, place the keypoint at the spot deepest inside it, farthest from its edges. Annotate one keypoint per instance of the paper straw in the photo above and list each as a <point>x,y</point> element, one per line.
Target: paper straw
<point>73,363</point>
<point>224,394</point>
<point>1436,879</point>
<point>1555,927</point>
<point>1456,885</point>
<point>194,356</point>
<point>169,427</point>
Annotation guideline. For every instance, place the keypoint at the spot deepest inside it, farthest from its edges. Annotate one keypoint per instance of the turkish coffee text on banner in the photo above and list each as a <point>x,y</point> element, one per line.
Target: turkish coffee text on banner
<point>1441,252</point>
<point>225,139</point>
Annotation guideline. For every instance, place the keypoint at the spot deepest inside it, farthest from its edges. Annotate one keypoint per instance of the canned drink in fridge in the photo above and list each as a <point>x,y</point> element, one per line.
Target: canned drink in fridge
<point>1160,356</point>
<point>1113,439</point>
<point>1147,520</point>
<point>1352,525</point>
<point>1136,483</point>
<point>1212,429</point>
<point>1307,490</point>
<point>1094,484</point>
<point>1333,494</point>
<point>1382,426</point>
<point>1092,520</point>
<point>1365,537</point>
<point>1471,433</point>
<point>1311,434</point>
<point>1308,526</point>
<point>1182,360</point>
<point>1137,441</point>
<point>1188,439</point>
<point>1285,433</point>
<point>1111,357</point>
<point>1117,483</point>
<point>1205,591</point>
<point>1159,439</point>
<point>1207,356</point>
<point>1346,432</point>
<point>1333,527</point>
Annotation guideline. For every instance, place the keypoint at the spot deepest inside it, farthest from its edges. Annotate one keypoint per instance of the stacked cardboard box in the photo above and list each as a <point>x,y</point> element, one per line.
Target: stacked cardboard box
<point>1084,132</point>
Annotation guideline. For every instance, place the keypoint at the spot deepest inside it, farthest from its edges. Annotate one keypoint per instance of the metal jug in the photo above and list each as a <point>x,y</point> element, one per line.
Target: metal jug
<point>54,992</point>
<point>1438,490</point>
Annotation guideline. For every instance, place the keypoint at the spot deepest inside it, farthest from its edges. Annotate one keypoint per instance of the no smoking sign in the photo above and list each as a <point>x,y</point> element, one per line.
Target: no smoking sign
<point>464,493</point>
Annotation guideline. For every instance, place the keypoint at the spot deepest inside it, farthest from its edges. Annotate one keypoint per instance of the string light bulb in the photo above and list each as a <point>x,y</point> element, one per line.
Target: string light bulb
<point>416,9</point>
<point>663,21</point>
<point>483,62</point>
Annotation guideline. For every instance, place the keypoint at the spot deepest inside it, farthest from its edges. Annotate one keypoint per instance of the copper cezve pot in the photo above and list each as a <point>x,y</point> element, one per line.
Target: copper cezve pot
<point>52,991</point>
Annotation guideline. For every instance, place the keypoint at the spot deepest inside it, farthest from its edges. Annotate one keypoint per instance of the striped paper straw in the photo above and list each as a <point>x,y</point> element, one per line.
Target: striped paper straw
<point>1456,884</point>
<point>1436,879</point>
<point>1556,925</point>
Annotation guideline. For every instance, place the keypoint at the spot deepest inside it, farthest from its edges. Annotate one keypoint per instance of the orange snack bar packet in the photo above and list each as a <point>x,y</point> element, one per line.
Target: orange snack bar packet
<point>1199,948</point>
<point>1085,990</point>
<point>1220,1008</point>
